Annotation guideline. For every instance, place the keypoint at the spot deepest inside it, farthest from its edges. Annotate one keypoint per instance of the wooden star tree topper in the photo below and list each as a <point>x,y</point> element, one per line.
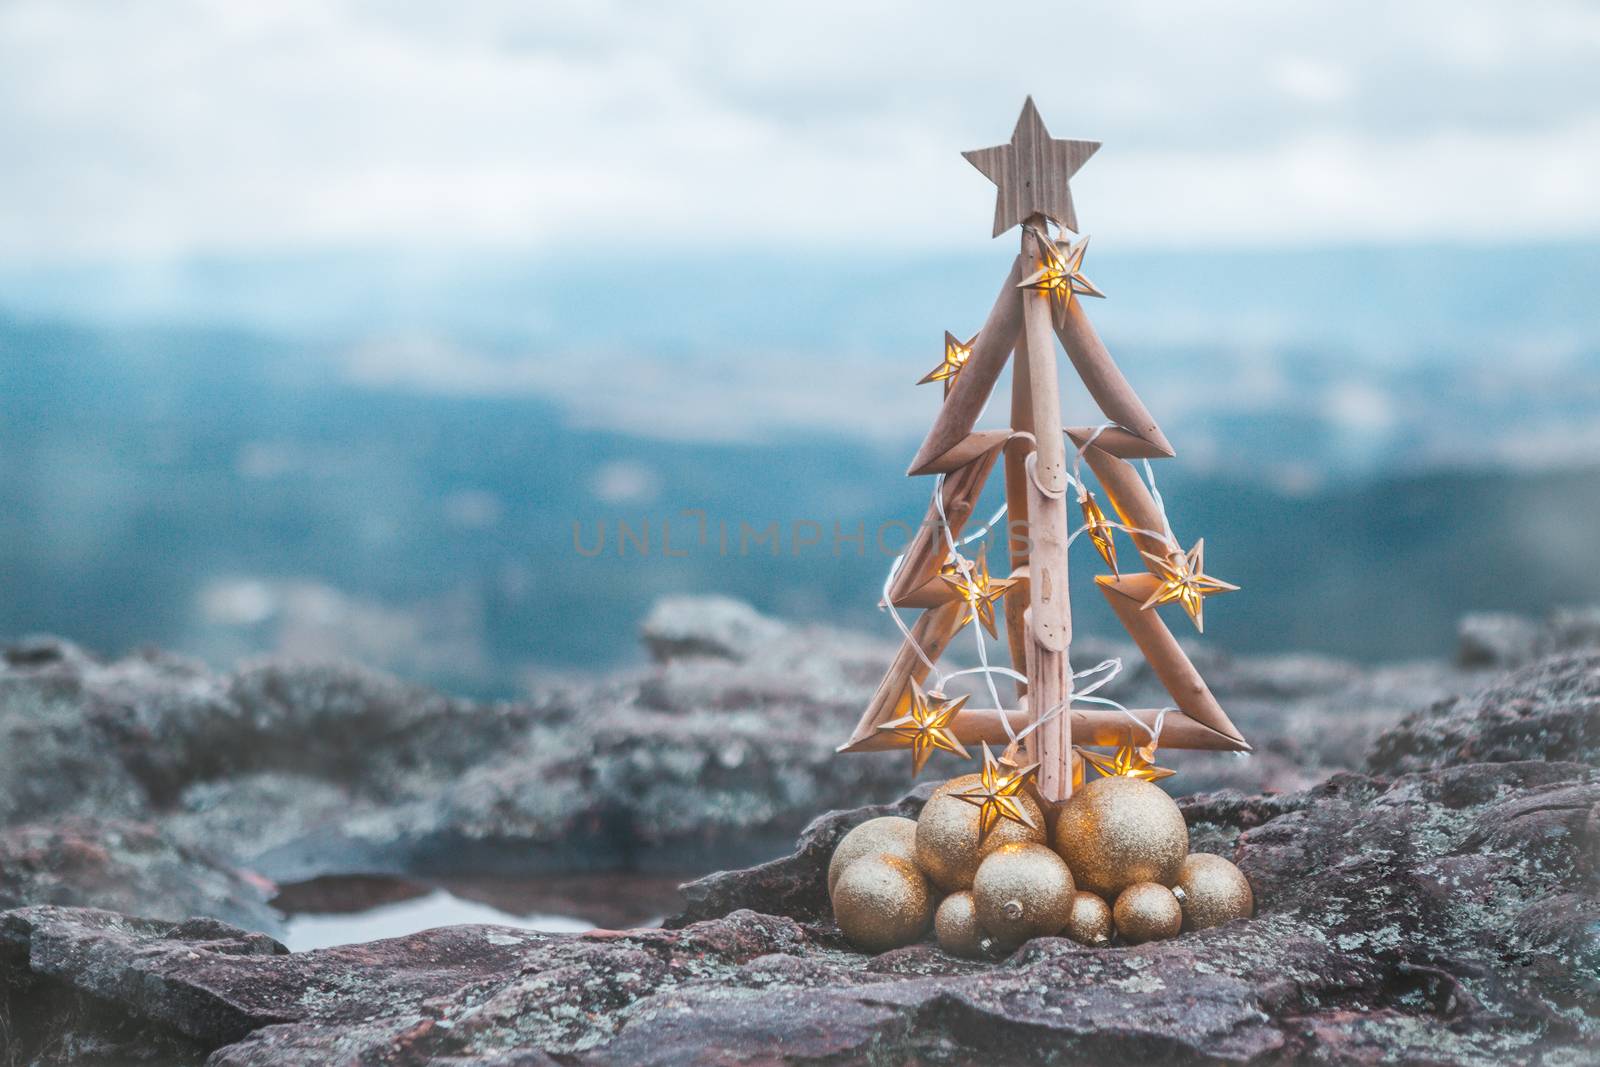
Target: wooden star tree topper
<point>1031,172</point>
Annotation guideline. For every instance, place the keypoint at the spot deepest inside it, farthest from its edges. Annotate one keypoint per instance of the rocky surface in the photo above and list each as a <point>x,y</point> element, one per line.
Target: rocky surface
<point>126,866</point>
<point>1440,904</point>
<point>714,755</point>
<point>1551,708</point>
<point>152,786</point>
<point>684,627</point>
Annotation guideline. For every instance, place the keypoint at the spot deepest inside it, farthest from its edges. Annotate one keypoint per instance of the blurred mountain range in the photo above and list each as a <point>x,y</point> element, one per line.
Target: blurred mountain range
<point>385,455</point>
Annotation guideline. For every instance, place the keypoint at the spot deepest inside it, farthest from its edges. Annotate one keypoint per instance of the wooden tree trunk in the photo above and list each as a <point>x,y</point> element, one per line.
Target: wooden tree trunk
<point>1049,616</point>
<point>1017,452</point>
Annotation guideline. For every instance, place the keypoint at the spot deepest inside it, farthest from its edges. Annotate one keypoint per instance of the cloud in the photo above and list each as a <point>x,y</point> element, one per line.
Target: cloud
<point>766,395</point>
<point>147,128</point>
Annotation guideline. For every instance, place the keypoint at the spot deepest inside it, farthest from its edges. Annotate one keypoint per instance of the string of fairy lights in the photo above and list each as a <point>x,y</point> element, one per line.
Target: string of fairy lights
<point>927,726</point>
<point>931,714</point>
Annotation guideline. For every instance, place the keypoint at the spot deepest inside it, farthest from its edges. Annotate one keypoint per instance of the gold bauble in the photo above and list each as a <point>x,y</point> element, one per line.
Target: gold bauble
<point>1117,831</point>
<point>1022,891</point>
<point>1214,891</point>
<point>893,834</point>
<point>947,834</point>
<point>882,902</point>
<point>1089,921</point>
<point>1146,911</point>
<point>956,924</point>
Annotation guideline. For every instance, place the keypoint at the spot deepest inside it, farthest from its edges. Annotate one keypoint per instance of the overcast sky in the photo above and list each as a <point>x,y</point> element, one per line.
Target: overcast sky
<point>136,129</point>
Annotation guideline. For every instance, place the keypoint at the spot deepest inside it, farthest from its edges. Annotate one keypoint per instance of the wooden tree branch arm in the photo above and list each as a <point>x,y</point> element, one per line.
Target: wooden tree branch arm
<point>966,450</point>
<point>1131,499</point>
<point>930,594</point>
<point>1090,726</point>
<point>1166,657</point>
<point>1104,380</point>
<point>930,547</point>
<point>1115,440</point>
<point>932,633</point>
<point>976,380</point>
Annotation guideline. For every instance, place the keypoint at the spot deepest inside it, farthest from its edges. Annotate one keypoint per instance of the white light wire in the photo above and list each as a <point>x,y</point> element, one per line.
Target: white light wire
<point>1111,667</point>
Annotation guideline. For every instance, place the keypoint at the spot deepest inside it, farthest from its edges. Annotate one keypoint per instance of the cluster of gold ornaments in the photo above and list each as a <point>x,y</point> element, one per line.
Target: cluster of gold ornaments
<point>987,871</point>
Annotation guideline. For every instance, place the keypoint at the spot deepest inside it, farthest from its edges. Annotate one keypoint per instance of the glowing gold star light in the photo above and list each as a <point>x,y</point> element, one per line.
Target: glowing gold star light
<point>1183,579</point>
<point>1061,273</point>
<point>1129,762</point>
<point>979,590</point>
<point>998,795</point>
<point>927,726</point>
<point>956,354</point>
<point>1099,530</point>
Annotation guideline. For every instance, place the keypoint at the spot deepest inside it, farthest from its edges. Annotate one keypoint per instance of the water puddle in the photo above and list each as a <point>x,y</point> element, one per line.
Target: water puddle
<point>349,909</point>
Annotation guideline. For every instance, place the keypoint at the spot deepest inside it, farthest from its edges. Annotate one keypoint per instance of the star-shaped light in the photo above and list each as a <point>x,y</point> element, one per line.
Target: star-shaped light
<point>980,591</point>
<point>1060,273</point>
<point>1129,762</point>
<point>1183,579</point>
<point>1031,172</point>
<point>956,354</point>
<point>999,793</point>
<point>927,726</point>
<point>1099,530</point>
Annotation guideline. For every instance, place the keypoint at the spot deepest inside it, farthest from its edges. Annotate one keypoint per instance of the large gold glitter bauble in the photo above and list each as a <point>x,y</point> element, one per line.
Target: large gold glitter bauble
<point>956,924</point>
<point>882,902</point>
<point>1214,892</point>
<point>1117,831</point>
<point>890,833</point>
<point>1089,920</point>
<point>1022,891</point>
<point>1146,911</point>
<point>947,834</point>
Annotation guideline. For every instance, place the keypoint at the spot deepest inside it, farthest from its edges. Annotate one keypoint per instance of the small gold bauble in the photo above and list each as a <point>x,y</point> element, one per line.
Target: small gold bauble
<point>1089,922</point>
<point>947,834</point>
<point>1214,892</point>
<point>1117,831</point>
<point>1146,911</point>
<point>890,833</point>
<point>1022,891</point>
<point>956,923</point>
<point>882,902</point>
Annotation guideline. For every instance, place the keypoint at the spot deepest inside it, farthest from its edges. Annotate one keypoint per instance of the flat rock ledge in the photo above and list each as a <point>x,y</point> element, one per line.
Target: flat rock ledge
<point>1445,912</point>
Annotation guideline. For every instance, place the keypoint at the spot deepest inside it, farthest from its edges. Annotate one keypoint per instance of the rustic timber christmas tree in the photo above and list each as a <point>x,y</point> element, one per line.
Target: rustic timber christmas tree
<point>1038,304</point>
